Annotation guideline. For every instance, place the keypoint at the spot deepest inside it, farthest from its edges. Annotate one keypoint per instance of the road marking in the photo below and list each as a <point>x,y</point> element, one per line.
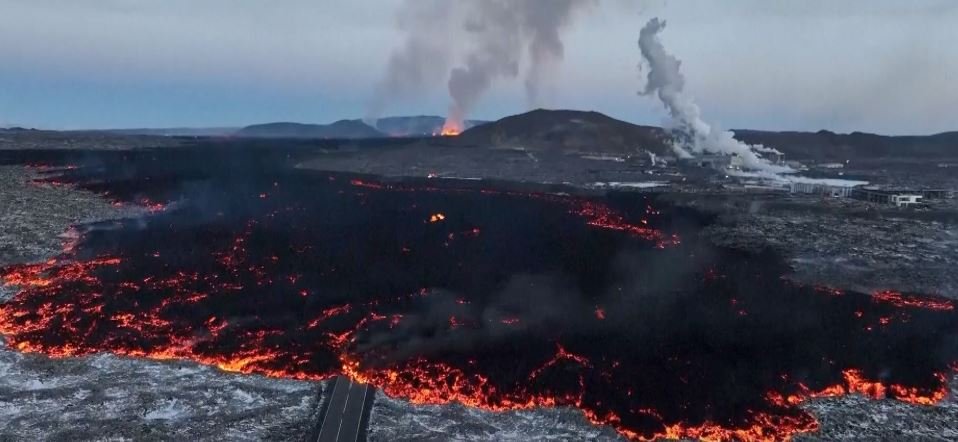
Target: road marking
<point>343,406</point>
<point>331,396</point>
<point>359,423</point>
<point>342,414</point>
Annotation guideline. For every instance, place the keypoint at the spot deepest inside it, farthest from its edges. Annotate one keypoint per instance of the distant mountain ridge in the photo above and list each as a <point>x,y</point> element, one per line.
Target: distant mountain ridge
<point>177,131</point>
<point>567,130</point>
<point>580,131</point>
<point>403,126</point>
<point>827,145</point>
<point>342,129</point>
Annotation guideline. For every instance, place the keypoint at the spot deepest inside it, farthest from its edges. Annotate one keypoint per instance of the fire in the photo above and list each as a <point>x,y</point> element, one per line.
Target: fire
<point>451,128</point>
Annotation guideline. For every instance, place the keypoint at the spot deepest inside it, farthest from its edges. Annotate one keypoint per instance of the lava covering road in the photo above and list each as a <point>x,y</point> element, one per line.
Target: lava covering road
<point>498,299</point>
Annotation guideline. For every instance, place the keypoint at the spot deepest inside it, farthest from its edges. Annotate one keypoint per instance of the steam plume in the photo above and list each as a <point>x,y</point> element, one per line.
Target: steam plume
<point>693,134</point>
<point>492,37</point>
<point>422,60</point>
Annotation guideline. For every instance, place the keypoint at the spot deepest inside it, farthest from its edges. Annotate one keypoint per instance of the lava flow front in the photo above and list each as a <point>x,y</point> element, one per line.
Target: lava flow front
<point>493,299</point>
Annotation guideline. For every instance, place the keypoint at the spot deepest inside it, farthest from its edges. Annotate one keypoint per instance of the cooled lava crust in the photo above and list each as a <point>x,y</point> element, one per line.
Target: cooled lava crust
<point>439,292</point>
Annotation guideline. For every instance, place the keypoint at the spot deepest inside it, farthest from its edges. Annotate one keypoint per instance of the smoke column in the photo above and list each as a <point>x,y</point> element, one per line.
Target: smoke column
<point>491,39</point>
<point>495,32</point>
<point>694,135</point>
<point>543,23</point>
<point>424,58</point>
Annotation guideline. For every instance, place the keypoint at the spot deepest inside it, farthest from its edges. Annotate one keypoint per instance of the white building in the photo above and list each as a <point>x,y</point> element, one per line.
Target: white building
<point>905,200</point>
<point>832,189</point>
<point>898,198</point>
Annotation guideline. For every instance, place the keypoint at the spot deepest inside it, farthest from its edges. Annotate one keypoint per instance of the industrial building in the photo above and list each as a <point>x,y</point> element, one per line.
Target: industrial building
<point>895,197</point>
<point>834,190</point>
<point>937,194</point>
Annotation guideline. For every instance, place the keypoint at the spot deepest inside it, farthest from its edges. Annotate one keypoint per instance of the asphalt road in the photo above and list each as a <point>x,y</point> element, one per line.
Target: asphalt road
<point>343,419</point>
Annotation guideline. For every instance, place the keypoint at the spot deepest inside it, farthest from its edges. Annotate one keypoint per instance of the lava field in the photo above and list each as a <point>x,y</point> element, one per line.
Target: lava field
<point>439,291</point>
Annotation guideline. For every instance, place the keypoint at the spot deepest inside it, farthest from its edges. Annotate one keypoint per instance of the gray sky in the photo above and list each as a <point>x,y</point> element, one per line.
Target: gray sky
<point>872,65</point>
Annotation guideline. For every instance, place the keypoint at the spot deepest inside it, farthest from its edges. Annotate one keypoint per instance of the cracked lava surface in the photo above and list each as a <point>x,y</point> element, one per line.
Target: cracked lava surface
<point>497,299</point>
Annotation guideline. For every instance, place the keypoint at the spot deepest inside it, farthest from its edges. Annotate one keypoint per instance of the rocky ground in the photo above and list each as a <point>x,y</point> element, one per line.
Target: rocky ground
<point>863,419</point>
<point>397,420</point>
<point>106,397</point>
<point>844,243</point>
<point>44,139</point>
<point>421,160</point>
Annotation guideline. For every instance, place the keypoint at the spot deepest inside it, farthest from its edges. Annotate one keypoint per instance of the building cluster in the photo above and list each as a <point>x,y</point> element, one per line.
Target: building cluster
<point>831,188</point>
<point>899,197</point>
<point>824,189</point>
<point>872,194</point>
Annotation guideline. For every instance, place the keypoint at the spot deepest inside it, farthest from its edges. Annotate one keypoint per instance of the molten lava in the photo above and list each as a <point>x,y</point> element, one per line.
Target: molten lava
<point>901,300</point>
<point>513,301</point>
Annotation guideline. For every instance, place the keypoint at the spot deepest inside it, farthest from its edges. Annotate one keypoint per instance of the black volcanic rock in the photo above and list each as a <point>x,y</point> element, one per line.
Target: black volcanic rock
<point>567,130</point>
<point>348,129</point>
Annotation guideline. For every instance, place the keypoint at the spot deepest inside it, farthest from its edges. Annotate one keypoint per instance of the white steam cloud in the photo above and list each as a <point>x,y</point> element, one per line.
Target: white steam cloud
<point>692,134</point>
<point>485,40</point>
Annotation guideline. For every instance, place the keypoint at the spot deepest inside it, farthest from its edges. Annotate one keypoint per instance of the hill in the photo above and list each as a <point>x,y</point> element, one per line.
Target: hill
<point>568,131</point>
<point>580,131</point>
<point>344,129</point>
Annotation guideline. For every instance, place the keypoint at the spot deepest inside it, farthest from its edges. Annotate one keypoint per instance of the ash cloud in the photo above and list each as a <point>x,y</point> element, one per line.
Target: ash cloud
<point>693,134</point>
<point>494,39</point>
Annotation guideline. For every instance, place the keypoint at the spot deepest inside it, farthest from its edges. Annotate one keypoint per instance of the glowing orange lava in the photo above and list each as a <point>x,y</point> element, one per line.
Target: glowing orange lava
<point>148,316</point>
<point>451,128</point>
<point>898,299</point>
<point>419,380</point>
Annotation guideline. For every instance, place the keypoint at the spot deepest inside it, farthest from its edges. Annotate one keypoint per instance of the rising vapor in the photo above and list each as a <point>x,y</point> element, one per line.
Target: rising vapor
<point>424,58</point>
<point>693,134</point>
<point>488,39</point>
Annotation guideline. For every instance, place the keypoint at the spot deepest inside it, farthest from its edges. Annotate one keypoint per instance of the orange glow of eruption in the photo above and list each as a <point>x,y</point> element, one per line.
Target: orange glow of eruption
<point>436,217</point>
<point>451,128</point>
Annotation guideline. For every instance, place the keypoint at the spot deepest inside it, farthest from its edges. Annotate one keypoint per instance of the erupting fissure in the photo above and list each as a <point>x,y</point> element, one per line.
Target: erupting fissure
<point>494,299</point>
<point>451,127</point>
